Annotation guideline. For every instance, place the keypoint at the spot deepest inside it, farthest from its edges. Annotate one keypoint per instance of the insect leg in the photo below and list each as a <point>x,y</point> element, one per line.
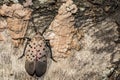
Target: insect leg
<point>28,39</point>
<point>22,38</point>
<point>24,50</point>
<point>48,44</point>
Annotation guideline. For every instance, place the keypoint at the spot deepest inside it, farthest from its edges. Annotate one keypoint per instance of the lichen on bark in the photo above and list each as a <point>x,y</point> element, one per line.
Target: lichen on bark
<point>17,18</point>
<point>62,34</point>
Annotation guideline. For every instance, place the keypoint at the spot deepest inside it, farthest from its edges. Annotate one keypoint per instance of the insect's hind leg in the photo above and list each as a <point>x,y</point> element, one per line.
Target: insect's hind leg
<point>48,44</point>
<point>28,39</point>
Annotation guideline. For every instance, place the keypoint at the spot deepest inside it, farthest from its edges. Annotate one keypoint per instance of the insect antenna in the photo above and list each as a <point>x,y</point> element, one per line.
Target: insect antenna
<point>35,28</point>
<point>44,30</point>
<point>51,56</point>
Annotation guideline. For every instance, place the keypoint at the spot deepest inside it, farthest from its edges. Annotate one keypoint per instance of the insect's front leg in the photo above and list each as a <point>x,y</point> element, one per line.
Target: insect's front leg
<point>48,44</point>
<point>28,39</point>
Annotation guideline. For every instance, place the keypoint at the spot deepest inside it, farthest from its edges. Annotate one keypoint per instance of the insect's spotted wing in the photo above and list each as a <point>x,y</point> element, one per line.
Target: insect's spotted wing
<point>30,67</point>
<point>30,59</point>
<point>36,57</point>
<point>41,57</point>
<point>40,68</point>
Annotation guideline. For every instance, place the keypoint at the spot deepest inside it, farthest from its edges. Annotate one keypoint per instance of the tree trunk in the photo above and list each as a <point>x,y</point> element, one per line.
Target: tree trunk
<point>84,37</point>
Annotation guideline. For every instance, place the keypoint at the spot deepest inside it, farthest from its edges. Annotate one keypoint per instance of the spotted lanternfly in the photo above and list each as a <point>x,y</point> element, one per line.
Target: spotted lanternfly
<point>36,51</point>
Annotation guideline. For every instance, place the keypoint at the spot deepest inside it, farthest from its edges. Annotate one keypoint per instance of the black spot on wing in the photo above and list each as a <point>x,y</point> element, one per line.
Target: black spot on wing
<point>31,59</point>
<point>39,53</point>
<point>33,56</point>
<point>28,50</point>
<point>40,45</point>
<point>33,43</point>
<point>43,48</point>
<point>38,50</point>
<point>34,47</point>
<point>42,58</point>
<point>31,53</point>
<point>39,58</point>
<point>27,54</point>
<point>30,46</point>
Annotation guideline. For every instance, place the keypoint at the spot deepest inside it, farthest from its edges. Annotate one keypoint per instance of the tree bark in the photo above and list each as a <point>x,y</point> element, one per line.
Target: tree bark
<point>84,37</point>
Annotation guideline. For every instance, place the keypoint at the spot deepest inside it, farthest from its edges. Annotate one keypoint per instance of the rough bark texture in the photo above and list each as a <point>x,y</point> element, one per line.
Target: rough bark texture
<point>84,37</point>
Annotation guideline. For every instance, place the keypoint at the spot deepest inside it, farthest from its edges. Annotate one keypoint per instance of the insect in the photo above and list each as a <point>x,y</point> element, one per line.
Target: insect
<point>36,51</point>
